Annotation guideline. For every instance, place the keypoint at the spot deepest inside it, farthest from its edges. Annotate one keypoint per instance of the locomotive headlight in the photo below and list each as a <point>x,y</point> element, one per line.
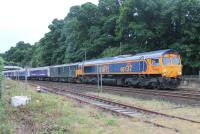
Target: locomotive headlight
<point>164,74</point>
<point>180,73</point>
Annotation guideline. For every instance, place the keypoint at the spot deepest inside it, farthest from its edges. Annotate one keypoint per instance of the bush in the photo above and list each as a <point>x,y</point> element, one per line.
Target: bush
<point>1,74</point>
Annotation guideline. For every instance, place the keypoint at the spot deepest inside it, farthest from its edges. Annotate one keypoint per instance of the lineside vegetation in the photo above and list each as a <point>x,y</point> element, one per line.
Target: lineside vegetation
<point>1,74</point>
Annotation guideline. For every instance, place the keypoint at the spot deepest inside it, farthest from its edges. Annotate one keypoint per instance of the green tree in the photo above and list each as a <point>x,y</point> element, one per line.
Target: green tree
<point>79,24</point>
<point>50,49</point>
<point>115,27</point>
<point>21,54</point>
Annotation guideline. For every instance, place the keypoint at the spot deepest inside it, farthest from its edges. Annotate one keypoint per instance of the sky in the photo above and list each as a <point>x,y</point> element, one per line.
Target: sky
<point>28,20</point>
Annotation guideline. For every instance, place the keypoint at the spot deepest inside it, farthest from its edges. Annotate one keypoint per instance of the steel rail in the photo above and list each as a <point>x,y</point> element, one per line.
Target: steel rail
<point>125,105</point>
<point>189,96</point>
<point>120,106</point>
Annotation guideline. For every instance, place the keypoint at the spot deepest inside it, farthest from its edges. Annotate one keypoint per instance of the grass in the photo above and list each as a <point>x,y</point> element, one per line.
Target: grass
<point>5,125</point>
<point>51,114</point>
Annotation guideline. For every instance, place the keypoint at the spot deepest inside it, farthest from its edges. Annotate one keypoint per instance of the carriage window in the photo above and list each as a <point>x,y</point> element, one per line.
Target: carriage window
<point>175,61</point>
<point>59,70</point>
<point>166,61</point>
<point>155,62</point>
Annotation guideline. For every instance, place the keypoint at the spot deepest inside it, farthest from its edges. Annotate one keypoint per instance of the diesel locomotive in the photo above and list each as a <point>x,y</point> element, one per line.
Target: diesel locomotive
<point>157,69</point>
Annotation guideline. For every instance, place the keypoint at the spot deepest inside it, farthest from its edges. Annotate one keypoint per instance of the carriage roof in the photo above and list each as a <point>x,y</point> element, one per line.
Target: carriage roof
<point>65,65</point>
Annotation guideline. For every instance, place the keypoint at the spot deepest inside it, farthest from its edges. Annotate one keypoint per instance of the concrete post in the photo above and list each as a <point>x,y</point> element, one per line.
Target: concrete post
<point>69,78</point>
<point>26,73</point>
<point>98,77</point>
<point>101,79</point>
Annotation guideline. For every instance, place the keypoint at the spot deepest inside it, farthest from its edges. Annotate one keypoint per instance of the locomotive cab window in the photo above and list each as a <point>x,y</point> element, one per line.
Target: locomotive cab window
<point>166,61</point>
<point>155,62</point>
<point>175,61</point>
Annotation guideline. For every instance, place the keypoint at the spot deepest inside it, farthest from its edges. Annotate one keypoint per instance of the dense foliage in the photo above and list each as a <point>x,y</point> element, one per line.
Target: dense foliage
<point>20,54</point>
<point>115,27</point>
<point>1,68</point>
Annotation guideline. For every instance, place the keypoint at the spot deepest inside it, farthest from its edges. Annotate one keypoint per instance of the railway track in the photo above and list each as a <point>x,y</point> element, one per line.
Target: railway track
<point>112,106</point>
<point>172,94</point>
<point>180,94</point>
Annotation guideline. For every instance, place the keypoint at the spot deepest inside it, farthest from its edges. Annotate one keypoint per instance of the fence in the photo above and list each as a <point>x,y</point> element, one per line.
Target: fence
<point>190,82</point>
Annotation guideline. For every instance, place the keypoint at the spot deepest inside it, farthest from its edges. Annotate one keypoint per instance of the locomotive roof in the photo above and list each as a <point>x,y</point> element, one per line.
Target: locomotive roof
<point>155,54</point>
<point>146,55</point>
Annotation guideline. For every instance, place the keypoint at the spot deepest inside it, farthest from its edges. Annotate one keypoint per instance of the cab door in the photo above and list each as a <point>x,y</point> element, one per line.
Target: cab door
<point>155,66</point>
<point>79,70</point>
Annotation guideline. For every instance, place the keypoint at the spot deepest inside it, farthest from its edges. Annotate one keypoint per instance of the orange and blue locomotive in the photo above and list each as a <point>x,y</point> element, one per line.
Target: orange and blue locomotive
<point>156,69</point>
